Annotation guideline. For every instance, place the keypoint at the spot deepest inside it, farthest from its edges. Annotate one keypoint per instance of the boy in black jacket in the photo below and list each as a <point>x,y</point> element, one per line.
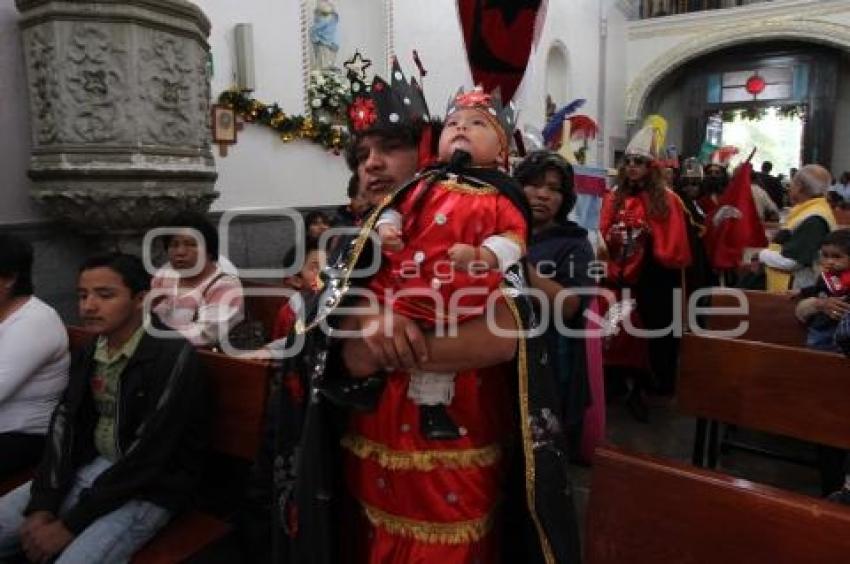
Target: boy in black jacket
<point>125,444</point>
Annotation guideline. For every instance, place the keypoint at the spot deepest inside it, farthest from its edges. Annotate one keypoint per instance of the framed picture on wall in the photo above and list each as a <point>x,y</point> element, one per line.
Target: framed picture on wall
<point>223,124</point>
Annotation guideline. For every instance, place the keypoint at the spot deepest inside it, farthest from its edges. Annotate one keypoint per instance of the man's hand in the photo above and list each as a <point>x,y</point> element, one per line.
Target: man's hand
<point>43,536</point>
<point>392,342</point>
<point>835,308</point>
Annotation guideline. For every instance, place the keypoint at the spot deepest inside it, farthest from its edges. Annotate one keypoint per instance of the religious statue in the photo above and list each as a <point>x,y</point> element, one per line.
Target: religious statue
<point>323,35</point>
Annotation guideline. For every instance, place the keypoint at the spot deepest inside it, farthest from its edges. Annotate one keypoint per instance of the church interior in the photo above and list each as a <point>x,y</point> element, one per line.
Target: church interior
<point>117,114</point>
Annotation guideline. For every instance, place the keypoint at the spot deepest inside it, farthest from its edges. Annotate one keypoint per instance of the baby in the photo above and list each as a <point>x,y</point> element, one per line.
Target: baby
<point>460,227</point>
<point>833,283</point>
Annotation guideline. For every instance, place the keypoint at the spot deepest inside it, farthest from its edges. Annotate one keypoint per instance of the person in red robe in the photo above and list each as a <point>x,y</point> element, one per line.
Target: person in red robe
<point>451,235</point>
<point>460,227</point>
<point>644,226</point>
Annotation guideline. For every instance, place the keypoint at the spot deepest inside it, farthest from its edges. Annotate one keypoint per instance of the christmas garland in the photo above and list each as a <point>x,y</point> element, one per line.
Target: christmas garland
<point>289,127</point>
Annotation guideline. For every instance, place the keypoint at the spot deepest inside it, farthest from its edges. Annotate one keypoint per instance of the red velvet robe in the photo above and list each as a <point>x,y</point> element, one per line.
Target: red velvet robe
<point>430,501</point>
<point>669,247</point>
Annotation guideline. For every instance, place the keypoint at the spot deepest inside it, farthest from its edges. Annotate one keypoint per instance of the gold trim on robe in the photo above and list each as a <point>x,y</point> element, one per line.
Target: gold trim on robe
<point>459,532</point>
<point>424,460</point>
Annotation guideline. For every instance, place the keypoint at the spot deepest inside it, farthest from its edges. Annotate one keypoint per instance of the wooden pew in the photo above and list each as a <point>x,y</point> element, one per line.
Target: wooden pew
<point>240,390</point>
<point>842,217</point>
<point>263,308</point>
<point>770,318</point>
<point>788,391</point>
<point>644,510</point>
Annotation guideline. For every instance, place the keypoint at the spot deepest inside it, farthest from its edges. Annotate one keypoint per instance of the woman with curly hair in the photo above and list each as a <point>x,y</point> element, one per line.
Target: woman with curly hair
<point>644,227</point>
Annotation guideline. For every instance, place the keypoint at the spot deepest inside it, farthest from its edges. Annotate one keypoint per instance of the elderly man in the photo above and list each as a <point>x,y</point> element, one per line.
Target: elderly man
<point>789,261</point>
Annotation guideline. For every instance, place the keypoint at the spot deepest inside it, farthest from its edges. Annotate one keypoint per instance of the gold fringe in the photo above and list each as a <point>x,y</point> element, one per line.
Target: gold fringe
<point>465,188</point>
<point>458,532</point>
<point>527,443</point>
<point>424,460</point>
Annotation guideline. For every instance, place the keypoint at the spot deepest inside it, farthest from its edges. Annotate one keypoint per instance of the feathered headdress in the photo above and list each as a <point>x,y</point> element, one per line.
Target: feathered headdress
<point>553,132</point>
<point>649,140</point>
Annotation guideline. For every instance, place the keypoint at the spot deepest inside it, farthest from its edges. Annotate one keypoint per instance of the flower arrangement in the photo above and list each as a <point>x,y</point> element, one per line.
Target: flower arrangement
<point>329,95</point>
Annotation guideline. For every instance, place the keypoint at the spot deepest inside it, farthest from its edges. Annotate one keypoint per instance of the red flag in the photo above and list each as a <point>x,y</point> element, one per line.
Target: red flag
<point>735,224</point>
<point>498,36</point>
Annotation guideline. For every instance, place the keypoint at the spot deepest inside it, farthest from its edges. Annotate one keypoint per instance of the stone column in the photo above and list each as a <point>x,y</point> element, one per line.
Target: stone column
<point>119,106</point>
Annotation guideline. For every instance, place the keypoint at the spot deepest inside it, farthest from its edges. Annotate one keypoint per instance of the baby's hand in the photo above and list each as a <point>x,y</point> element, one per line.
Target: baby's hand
<point>462,255</point>
<point>390,237</point>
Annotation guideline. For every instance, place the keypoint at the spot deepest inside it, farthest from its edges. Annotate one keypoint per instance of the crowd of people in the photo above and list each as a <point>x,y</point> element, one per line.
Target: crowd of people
<point>441,431</point>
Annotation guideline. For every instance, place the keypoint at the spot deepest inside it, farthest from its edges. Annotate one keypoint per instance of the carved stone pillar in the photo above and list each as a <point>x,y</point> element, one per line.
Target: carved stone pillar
<point>119,108</point>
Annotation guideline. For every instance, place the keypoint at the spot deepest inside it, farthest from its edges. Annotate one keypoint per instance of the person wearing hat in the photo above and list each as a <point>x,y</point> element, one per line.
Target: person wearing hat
<point>403,497</point>
<point>699,274</point>
<point>466,214</point>
<point>559,259</point>
<point>644,226</point>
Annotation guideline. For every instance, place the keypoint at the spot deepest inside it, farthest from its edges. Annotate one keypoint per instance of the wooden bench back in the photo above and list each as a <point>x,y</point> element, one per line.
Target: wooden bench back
<point>770,318</point>
<point>647,511</point>
<point>240,389</point>
<point>788,391</point>
<point>842,217</point>
<point>262,307</point>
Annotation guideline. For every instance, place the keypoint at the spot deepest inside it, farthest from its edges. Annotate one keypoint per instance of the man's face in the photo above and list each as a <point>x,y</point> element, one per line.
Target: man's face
<point>106,304</point>
<point>545,197</point>
<point>468,130</point>
<point>384,164</point>
<point>796,193</point>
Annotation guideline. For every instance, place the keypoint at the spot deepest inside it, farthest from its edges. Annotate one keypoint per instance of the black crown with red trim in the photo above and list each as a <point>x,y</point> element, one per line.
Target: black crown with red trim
<point>393,104</point>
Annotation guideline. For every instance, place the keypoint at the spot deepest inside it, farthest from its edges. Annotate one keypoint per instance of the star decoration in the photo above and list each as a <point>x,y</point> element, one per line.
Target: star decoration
<point>357,66</point>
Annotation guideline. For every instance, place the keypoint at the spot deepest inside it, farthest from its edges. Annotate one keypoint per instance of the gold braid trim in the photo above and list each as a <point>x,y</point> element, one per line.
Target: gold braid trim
<point>527,443</point>
<point>465,188</point>
<point>458,532</point>
<point>424,460</point>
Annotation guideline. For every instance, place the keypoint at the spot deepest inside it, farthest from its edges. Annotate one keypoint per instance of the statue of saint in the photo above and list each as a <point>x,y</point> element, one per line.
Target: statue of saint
<point>323,35</point>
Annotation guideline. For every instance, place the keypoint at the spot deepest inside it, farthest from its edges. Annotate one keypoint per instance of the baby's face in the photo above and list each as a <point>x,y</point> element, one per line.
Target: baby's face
<point>834,259</point>
<point>470,131</point>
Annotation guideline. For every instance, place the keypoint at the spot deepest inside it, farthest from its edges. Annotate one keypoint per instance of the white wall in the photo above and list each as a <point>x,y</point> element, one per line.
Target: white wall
<point>261,170</point>
<point>15,203</point>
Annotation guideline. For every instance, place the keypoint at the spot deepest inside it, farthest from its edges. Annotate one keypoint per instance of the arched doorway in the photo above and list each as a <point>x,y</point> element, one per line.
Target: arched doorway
<point>791,80</point>
<point>557,75</point>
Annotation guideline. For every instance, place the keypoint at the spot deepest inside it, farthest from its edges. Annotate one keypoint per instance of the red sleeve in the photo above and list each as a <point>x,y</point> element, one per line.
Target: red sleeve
<point>670,245</point>
<point>284,322</point>
<point>606,215</point>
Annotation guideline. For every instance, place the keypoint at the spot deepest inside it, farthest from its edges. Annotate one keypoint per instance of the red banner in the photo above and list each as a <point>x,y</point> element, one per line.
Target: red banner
<point>499,35</point>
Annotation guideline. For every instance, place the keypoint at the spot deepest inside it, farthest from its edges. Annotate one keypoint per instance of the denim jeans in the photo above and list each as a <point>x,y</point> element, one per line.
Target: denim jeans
<point>111,538</point>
